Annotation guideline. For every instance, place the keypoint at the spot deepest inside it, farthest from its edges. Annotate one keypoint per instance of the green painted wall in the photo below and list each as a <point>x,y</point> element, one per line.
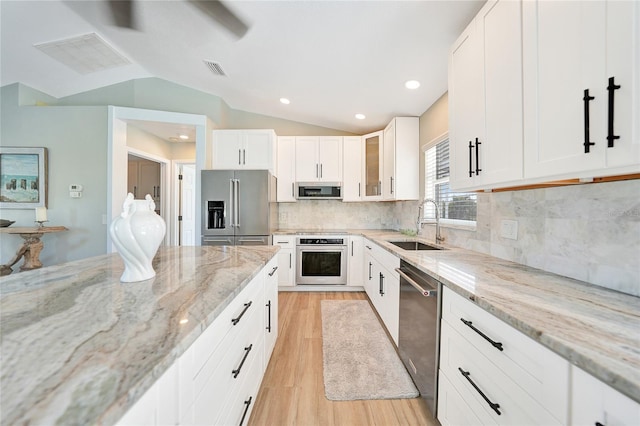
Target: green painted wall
<point>76,140</point>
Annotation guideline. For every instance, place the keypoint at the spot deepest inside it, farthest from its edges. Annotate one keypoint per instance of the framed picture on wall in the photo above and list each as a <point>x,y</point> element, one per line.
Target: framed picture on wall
<point>23,178</point>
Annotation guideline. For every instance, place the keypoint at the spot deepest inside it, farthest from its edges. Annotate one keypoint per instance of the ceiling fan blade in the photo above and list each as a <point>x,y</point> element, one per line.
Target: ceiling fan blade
<point>123,14</point>
<point>223,15</point>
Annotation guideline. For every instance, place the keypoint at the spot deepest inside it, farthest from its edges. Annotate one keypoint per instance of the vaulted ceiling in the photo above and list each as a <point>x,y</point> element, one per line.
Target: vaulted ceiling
<point>331,59</point>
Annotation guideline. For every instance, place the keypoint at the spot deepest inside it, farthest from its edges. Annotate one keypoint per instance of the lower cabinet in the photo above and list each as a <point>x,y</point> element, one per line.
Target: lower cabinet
<point>286,260</point>
<point>491,371</point>
<point>595,403</point>
<point>355,259</point>
<point>382,285</point>
<point>216,380</point>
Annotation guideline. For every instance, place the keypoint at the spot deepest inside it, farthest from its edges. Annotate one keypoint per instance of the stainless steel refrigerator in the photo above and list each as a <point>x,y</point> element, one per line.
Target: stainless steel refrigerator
<point>238,207</point>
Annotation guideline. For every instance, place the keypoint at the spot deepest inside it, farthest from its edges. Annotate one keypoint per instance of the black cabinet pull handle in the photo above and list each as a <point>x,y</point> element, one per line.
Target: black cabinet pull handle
<point>235,321</point>
<point>239,157</point>
<point>470,161</point>
<point>269,316</point>
<point>478,169</point>
<point>391,183</point>
<point>293,189</point>
<point>612,87</point>
<point>381,284</point>
<point>587,143</point>
<point>370,271</point>
<point>289,260</point>
<point>495,344</point>
<point>273,271</point>
<point>493,405</point>
<point>246,410</point>
<point>351,248</point>
<point>359,192</point>
<point>244,358</point>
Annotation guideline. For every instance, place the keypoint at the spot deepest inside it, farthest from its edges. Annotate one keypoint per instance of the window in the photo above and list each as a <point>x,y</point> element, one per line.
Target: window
<point>454,207</point>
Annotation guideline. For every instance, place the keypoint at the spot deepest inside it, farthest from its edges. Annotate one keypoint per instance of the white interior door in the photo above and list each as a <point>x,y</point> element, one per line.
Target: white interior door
<point>187,226</point>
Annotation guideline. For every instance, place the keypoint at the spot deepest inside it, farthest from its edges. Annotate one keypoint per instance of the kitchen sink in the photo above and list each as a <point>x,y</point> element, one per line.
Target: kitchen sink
<point>414,245</point>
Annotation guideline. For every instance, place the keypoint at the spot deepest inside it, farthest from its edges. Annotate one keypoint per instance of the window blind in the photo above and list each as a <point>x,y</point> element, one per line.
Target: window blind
<point>458,206</point>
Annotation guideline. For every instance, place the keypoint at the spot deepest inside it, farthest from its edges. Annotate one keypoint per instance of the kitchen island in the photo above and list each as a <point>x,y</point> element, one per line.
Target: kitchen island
<point>79,347</point>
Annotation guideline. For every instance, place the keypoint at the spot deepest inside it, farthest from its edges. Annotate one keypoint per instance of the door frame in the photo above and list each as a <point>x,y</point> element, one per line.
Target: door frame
<point>117,152</point>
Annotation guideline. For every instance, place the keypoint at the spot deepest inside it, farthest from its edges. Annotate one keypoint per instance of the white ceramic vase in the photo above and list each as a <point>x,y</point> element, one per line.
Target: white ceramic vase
<point>137,234</point>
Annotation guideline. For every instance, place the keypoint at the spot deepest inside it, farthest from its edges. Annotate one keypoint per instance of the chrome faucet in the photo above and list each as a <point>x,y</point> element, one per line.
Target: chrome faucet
<point>420,221</point>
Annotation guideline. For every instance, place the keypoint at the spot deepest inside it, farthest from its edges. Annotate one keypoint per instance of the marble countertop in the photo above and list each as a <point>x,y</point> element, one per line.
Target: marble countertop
<point>79,347</point>
<point>594,328</point>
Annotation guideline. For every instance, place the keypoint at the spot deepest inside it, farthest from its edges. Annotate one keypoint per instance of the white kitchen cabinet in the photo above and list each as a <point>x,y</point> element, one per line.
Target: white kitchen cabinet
<point>286,169</point>
<point>226,362</point>
<point>401,162</point>
<point>319,159</point>
<point>286,260</point>
<point>595,403</point>
<point>244,149</point>
<point>159,405</point>
<point>355,261</point>
<point>571,50</point>
<point>485,99</point>
<point>271,272</point>
<point>489,362</point>
<point>352,168</point>
<point>372,156</point>
<point>382,285</point>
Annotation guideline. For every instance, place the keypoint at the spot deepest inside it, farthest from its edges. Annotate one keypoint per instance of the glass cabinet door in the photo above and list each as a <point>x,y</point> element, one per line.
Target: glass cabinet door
<point>373,164</point>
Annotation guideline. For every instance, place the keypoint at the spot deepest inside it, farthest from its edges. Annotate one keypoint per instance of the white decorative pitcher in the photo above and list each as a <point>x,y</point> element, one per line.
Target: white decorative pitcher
<point>137,234</point>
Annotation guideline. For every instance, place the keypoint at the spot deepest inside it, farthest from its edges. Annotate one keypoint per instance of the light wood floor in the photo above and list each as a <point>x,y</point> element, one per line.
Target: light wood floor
<point>292,391</point>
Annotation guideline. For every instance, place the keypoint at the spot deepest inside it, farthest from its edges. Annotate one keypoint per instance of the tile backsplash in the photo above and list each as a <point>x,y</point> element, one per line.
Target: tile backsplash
<point>588,232</point>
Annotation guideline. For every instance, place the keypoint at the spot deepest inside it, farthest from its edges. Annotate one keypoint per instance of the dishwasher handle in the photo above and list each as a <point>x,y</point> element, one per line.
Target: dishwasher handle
<point>425,293</point>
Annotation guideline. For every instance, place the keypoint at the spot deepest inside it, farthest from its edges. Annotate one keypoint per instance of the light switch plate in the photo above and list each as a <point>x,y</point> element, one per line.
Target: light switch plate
<point>509,229</point>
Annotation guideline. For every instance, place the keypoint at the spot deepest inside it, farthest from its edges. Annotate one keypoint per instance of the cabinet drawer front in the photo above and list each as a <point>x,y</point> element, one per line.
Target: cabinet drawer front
<point>284,241</point>
<point>214,342</point>
<point>538,370</point>
<point>238,409</point>
<point>387,259</point>
<point>452,408</point>
<point>238,360</point>
<point>481,383</point>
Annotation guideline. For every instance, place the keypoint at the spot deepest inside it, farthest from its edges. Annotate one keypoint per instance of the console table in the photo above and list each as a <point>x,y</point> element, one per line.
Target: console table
<point>30,248</point>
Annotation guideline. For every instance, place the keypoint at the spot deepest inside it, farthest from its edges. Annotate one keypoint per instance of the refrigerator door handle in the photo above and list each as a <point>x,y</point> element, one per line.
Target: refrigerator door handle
<point>236,202</point>
<point>231,206</point>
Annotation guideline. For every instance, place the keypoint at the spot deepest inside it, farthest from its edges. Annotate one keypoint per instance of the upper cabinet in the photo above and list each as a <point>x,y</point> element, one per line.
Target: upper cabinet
<point>286,169</point>
<point>485,99</point>
<point>319,158</point>
<point>244,149</point>
<point>401,162</point>
<point>372,154</point>
<point>352,168</point>
<point>581,84</point>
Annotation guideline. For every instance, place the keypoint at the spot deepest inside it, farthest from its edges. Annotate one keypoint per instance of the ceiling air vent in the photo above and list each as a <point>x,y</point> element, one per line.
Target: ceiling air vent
<point>214,67</point>
<point>85,54</point>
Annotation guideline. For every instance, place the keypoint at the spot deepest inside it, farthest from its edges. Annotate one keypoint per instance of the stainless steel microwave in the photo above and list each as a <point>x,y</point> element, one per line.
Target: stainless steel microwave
<point>319,190</point>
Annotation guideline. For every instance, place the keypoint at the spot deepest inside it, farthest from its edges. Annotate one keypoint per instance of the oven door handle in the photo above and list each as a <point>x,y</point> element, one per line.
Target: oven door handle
<point>425,293</point>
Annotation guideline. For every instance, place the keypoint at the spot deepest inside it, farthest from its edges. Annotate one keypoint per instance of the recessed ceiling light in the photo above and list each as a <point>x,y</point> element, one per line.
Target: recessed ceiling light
<point>412,84</point>
<point>361,116</point>
<point>285,101</point>
<point>184,137</point>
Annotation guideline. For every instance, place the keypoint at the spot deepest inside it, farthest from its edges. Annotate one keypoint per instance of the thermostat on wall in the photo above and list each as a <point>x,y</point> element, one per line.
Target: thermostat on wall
<point>75,190</point>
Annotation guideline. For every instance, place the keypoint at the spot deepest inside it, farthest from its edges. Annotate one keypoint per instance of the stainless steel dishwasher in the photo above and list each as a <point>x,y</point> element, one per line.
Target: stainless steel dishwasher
<point>419,334</point>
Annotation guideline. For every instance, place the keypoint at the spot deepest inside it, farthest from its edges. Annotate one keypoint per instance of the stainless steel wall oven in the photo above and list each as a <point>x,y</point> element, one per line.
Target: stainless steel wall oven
<point>321,260</point>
